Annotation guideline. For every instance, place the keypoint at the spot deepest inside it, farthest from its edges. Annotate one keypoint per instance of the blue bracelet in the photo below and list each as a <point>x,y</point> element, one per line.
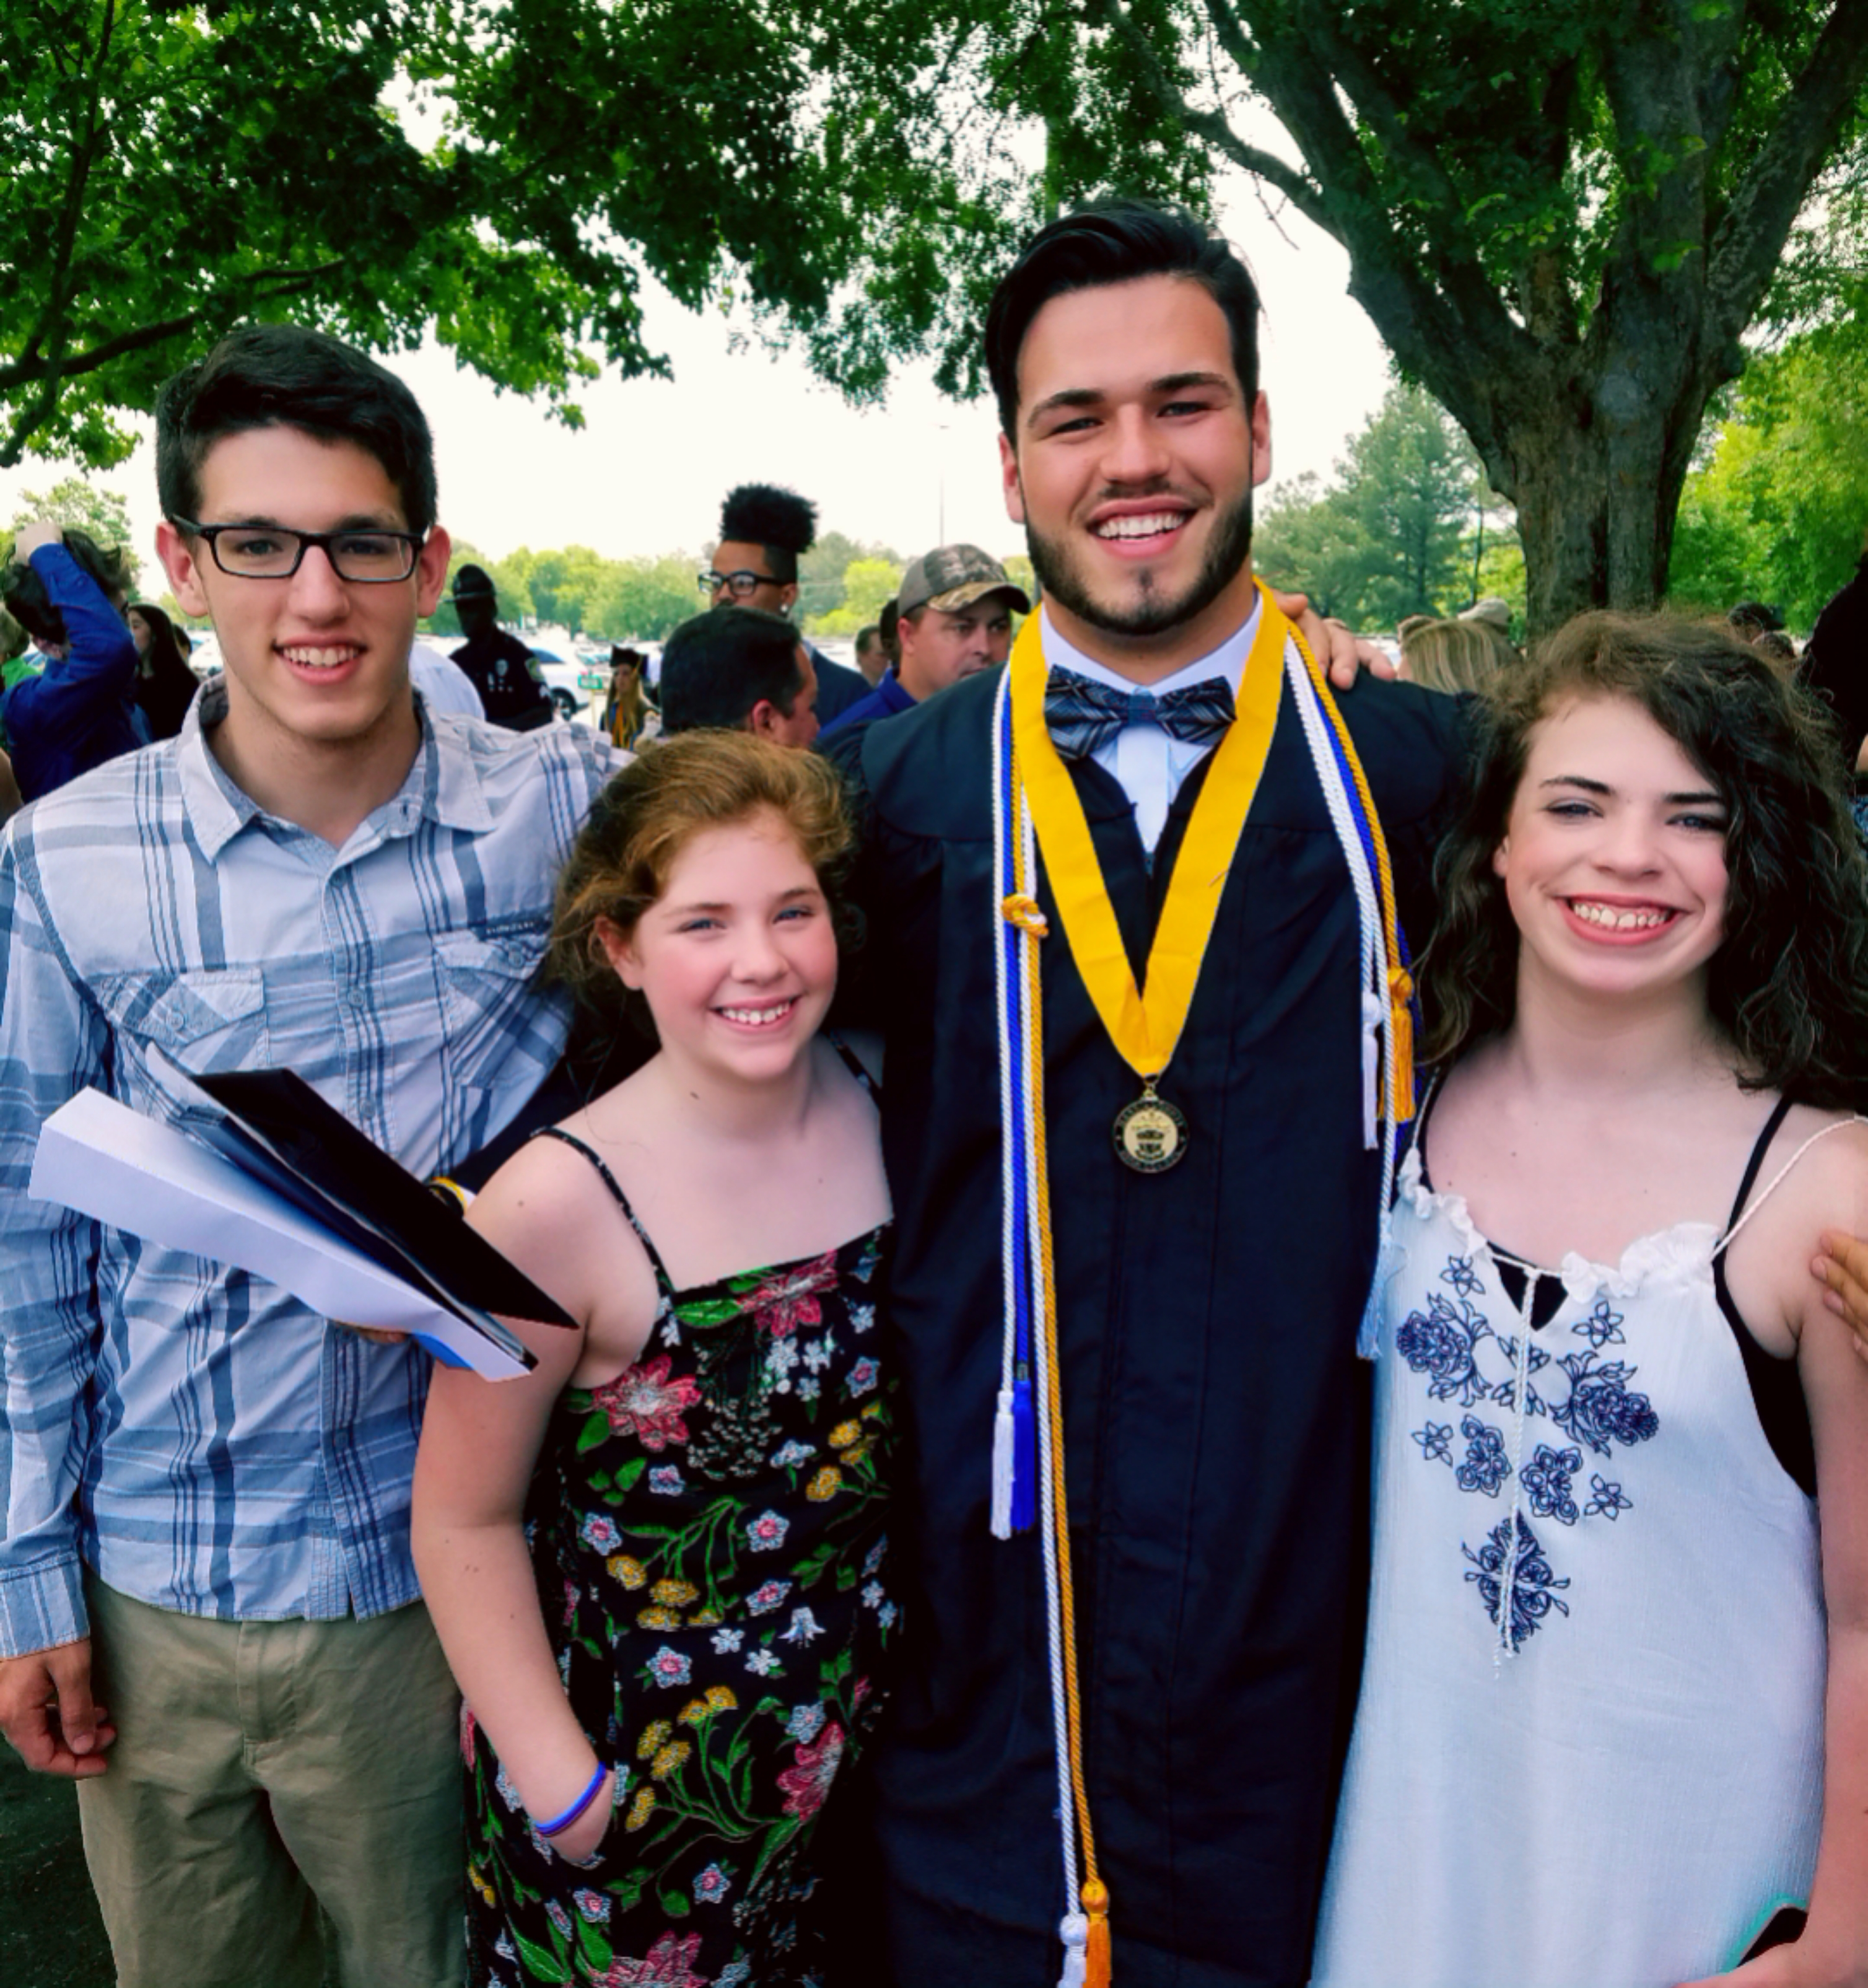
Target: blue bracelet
<point>559,1823</point>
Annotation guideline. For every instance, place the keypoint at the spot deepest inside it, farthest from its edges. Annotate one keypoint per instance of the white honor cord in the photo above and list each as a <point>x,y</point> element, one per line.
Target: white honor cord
<point>1376,1006</point>
<point>1003,885</point>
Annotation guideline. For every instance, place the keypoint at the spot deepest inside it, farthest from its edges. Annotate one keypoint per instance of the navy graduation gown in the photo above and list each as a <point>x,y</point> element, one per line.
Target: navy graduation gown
<point>1216,1414</point>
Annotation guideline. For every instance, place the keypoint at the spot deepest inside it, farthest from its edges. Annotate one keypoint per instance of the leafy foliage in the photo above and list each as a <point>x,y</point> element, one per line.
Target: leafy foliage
<point>1388,539</point>
<point>71,502</point>
<point>1780,513</point>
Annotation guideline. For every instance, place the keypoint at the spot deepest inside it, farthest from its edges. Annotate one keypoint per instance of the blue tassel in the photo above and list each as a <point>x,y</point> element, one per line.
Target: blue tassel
<point>1024,1457</point>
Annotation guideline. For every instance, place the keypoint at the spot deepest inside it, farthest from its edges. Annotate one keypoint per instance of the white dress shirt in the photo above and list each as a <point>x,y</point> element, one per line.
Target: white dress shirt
<point>1148,763</point>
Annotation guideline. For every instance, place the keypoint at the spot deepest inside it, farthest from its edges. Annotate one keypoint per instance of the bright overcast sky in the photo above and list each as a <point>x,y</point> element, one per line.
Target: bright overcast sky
<point>645,474</point>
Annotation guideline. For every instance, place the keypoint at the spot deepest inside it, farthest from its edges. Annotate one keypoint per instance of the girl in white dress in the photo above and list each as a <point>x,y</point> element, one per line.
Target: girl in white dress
<point>1614,1718</point>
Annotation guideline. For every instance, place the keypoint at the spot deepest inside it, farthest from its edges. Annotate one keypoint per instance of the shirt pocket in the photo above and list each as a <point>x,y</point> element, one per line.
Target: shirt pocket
<point>491,996</point>
<point>205,1019</point>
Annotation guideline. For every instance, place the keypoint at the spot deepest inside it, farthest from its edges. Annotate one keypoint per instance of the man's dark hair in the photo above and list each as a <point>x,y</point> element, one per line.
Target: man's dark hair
<point>717,666</point>
<point>1117,242</point>
<point>872,632</point>
<point>780,522</point>
<point>288,376</point>
<point>889,629</point>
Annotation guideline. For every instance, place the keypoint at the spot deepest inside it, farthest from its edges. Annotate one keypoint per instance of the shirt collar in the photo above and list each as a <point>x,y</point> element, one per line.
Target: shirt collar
<point>1227,660</point>
<point>444,784</point>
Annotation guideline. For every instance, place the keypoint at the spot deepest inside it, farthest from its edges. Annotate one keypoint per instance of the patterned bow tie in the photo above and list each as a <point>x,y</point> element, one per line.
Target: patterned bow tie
<point>1084,716</point>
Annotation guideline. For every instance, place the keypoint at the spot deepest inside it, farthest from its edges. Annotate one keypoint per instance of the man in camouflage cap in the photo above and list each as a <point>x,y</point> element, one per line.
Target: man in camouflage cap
<point>955,607</point>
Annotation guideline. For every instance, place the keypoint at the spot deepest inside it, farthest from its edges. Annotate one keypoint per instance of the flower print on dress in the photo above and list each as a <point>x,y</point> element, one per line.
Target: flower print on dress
<point>766,1533</point>
<point>805,1627</point>
<point>1533,1583</point>
<point>669,1963</point>
<point>711,1885</point>
<point>599,1530</point>
<point>805,1722</point>
<point>1608,1501</point>
<point>1603,1327</point>
<point>594,1906</point>
<point>666,1481</point>
<point>1486,1467</point>
<point>1463,1277</point>
<point>726,1641</point>
<point>819,1353</point>
<point>767,1596</point>
<point>1436,1442</point>
<point>861,1318</point>
<point>762,1663</point>
<point>668,1667</point>
<point>1602,1410</point>
<point>807,1783</point>
<point>790,1454</point>
<point>644,1402</point>
<point>558,1916</point>
<point>1441,1342</point>
<point>1546,1482</point>
<point>790,1298</point>
<point>863,1377</point>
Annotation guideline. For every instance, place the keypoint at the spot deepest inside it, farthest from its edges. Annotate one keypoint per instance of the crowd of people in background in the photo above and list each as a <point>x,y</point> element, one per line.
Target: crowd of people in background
<point>934,1546</point>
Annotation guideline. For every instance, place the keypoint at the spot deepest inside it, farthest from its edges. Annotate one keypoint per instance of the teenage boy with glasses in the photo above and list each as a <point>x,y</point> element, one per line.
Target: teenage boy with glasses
<point>207,1485</point>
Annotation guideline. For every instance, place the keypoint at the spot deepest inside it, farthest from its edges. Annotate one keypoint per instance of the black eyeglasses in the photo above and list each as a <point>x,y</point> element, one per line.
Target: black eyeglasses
<point>269,551</point>
<point>742,585</point>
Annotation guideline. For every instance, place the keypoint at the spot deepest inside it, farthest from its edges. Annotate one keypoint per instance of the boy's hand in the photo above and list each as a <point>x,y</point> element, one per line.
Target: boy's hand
<point>47,1711</point>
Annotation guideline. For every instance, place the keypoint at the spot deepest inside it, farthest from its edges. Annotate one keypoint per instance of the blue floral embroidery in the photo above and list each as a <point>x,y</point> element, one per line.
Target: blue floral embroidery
<point>1546,1482</point>
<point>1603,1327</point>
<point>1534,1584</point>
<point>1440,1341</point>
<point>1463,1277</point>
<point>1601,1411</point>
<point>1486,1467</point>
<point>1608,1502</point>
<point>1436,1442</point>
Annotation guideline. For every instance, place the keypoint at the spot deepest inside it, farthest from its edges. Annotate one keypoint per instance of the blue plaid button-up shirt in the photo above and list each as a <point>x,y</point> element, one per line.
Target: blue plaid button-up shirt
<point>197,1437</point>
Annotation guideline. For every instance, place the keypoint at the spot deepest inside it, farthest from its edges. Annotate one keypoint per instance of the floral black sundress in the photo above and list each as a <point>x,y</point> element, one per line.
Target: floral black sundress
<point>708,1532</point>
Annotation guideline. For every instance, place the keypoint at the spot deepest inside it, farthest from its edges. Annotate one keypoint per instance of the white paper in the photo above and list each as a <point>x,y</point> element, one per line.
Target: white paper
<point>107,1161</point>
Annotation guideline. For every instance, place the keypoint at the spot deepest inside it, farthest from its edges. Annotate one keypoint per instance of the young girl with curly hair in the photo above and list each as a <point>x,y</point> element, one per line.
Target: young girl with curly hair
<point>1614,1719</point>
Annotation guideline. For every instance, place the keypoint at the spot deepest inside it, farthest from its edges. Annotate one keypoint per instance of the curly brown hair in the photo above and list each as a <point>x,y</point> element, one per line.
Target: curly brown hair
<point>678,788</point>
<point>1788,985</point>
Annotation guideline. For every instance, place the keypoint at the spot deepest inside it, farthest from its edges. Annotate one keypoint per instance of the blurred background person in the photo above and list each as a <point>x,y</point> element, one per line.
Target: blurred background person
<point>872,658</point>
<point>1453,656</point>
<point>740,669</point>
<point>166,681</point>
<point>629,717</point>
<point>499,666</point>
<point>78,707</point>
<point>765,530</point>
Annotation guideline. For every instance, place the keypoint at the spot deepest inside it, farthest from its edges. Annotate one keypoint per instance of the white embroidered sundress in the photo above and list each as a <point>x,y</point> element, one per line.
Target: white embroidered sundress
<point>1588,1749</point>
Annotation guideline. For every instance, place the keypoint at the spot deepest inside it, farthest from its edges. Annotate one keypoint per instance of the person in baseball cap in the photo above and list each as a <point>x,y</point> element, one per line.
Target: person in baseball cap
<point>953,614</point>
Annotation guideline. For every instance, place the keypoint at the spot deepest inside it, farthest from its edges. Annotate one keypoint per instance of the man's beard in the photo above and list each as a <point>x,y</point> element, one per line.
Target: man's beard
<point>1228,550</point>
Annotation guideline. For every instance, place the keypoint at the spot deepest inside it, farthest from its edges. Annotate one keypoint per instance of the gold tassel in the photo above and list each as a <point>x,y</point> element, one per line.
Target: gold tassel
<point>1096,1957</point>
<point>1400,991</point>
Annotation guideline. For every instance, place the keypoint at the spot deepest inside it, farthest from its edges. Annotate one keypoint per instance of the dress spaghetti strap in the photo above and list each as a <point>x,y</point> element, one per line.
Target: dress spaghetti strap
<point>622,1200</point>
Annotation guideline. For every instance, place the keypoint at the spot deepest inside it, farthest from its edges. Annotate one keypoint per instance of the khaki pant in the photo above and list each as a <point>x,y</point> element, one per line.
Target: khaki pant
<point>277,1790</point>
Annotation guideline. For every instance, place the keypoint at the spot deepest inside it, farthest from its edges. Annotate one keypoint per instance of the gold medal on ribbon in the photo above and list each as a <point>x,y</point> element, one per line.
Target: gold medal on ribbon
<point>1145,1023</point>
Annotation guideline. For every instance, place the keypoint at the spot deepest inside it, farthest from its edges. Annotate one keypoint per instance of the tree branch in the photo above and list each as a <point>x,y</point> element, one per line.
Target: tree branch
<point>1205,124</point>
<point>1743,250</point>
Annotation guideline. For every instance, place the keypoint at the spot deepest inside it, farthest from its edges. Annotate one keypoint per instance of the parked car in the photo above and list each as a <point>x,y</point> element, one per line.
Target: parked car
<point>564,679</point>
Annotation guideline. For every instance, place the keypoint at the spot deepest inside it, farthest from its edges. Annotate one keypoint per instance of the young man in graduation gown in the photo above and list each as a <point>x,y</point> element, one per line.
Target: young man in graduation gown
<point>1214,1432</point>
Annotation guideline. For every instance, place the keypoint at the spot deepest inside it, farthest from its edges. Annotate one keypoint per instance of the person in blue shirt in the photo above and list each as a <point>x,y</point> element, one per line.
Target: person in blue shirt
<point>79,708</point>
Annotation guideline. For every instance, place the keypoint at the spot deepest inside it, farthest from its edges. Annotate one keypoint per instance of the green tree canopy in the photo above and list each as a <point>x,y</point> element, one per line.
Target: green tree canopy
<point>1780,511</point>
<point>1389,538</point>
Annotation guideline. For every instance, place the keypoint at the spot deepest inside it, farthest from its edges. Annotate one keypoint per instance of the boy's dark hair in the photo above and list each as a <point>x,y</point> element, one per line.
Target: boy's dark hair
<point>1117,241</point>
<point>23,592</point>
<point>1788,985</point>
<point>779,521</point>
<point>288,376</point>
<point>717,666</point>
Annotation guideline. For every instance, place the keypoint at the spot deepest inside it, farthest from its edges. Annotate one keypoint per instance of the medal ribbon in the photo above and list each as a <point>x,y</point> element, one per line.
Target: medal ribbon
<point>1145,1023</point>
